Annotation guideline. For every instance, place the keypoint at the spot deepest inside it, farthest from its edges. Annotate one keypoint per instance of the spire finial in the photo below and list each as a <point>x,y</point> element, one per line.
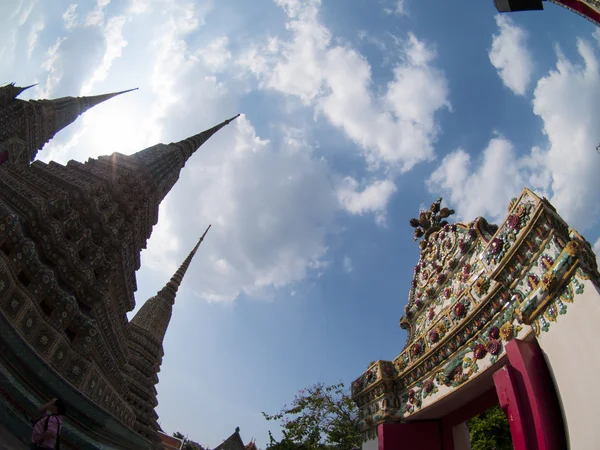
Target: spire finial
<point>165,162</point>
<point>93,100</point>
<point>155,314</point>
<point>175,281</point>
<point>431,220</point>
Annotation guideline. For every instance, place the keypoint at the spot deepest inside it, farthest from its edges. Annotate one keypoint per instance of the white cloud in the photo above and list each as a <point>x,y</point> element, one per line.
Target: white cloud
<point>270,209</point>
<point>483,189</point>
<point>215,54</point>
<point>510,56</point>
<point>53,69</point>
<point>32,39</point>
<point>115,42</point>
<point>564,169</point>
<point>567,101</point>
<point>96,16</point>
<point>398,8</point>
<point>347,264</point>
<point>396,128</point>
<point>373,198</point>
<point>70,16</point>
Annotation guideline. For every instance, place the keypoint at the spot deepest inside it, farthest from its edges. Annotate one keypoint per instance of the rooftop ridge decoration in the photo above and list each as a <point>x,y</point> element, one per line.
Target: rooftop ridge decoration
<point>430,221</point>
<point>476,287</point>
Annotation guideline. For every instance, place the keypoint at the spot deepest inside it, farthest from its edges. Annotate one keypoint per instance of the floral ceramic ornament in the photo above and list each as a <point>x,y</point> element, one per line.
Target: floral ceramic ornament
<point>431,221</point>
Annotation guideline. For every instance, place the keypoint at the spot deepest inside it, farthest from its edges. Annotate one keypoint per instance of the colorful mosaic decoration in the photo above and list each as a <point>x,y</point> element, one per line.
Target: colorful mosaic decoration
<point>476,287</point>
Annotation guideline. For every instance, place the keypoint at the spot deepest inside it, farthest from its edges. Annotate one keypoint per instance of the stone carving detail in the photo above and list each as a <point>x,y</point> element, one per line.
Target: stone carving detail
<point>70,243</point>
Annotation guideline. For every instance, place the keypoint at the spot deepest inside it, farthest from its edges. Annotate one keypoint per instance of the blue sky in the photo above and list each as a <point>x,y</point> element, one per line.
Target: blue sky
<point>355,115</point>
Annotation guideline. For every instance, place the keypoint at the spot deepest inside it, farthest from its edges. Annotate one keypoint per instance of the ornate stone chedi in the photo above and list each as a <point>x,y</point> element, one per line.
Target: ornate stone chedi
<point>70,243</point>
<point>496,315</point>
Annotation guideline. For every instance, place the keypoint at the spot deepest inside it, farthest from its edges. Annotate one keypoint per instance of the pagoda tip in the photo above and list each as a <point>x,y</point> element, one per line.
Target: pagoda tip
<point>232,119</point>
<point>204,234</point>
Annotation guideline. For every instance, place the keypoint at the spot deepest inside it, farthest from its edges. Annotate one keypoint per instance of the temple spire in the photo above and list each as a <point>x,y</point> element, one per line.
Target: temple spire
<point>29,125</point>
<point>65,110</point>
<point>175,281</point>
<point>155,314</point>
<point>166,161</point>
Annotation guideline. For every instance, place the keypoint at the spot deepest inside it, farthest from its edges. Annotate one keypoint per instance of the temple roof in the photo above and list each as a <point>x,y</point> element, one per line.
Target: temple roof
<point>476,287</point>
<point>233,442</point>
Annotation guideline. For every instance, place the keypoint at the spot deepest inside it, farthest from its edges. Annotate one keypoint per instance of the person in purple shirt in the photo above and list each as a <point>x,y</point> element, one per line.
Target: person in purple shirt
<point>46,431</point>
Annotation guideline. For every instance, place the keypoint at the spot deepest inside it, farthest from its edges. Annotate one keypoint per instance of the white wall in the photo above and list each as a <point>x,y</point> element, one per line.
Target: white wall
<point>372,444</point>
<point>571,347</point>
<point>461,436</point>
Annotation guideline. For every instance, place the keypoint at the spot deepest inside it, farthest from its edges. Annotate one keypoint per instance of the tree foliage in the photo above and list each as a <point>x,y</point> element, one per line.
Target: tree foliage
<point>490,431</point>
<point>321,417</point>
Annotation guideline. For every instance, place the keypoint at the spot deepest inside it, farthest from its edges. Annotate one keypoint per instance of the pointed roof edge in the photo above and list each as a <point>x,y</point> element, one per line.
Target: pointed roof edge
<point>14,91</point>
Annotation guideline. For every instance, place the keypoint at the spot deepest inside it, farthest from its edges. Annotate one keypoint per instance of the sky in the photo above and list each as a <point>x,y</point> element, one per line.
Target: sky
<point>354,116</point>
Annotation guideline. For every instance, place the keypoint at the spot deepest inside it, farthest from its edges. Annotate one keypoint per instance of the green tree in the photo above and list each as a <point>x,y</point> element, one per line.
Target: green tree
<point>490,431</point>
<point>320,418</point>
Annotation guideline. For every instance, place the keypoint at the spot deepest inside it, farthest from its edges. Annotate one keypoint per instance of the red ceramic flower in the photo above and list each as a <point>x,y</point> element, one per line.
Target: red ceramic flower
<point>418,303</point>
<point>440,278</point>
<point>411,394</point>
<point>459,309</point>
<point>431,314</point>
<point>462,246</point>
<point>433,336</point>
<point>514,222</point>
<point>416,349</point>
<point>428,386</point>
<point>496,246</point>
<point>480,351</point>
<point>494,332</point>
<point>466,269</point>
<point>493,347</point>
<point>447,292</point>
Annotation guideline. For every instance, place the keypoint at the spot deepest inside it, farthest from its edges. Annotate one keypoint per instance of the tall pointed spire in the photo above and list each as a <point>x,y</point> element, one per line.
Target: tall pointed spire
<point>155,314</point>
<point>33,123</point>
<point>171,288</point>
<point>166,161</point>
<point>62,112</point>
<point>146,332</point>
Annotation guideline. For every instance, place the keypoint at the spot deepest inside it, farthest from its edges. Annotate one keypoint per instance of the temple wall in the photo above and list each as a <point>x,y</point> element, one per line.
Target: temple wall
<point>570,348</point>
<point>462,438</point>
<point>371,444</point>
